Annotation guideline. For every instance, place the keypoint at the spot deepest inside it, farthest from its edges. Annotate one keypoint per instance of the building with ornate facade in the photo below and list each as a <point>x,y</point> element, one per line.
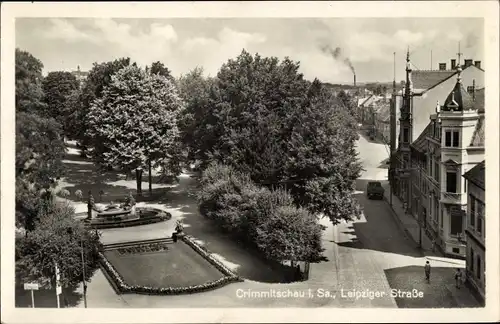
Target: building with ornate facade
<point>422,90</point>
<point>451,144</point>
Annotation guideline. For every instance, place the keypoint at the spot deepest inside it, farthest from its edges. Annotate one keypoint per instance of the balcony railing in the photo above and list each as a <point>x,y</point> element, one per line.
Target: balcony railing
<point>451,197</point>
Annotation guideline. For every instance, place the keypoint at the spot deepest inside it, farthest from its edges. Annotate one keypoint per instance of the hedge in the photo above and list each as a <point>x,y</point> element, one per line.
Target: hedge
<point>121,287</point>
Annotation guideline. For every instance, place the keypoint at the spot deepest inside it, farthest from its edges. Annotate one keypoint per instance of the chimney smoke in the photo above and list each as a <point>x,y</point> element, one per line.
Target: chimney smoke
<point>338,56</point>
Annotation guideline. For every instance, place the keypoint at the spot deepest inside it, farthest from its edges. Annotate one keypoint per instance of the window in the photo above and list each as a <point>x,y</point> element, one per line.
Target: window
<point>406,135</point>
<point>472,210</point>
<point>470,89</point>
<point>471,259</point>
<point>451,138</point>
<point>451,181</point>
<point>438,135</point>
<point>436,171</point>
<point>455,224</point>
<point>441,222</point>
<point>480,210</point>
<point>478,267</point>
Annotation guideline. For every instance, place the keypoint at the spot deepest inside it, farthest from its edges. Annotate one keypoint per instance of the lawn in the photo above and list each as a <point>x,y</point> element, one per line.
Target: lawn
<point>179,266</point>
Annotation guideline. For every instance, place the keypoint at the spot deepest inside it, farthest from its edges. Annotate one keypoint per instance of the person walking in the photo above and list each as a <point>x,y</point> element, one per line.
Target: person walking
<point>433,245</point>
<point>427,270</point>
<point>458,278</point>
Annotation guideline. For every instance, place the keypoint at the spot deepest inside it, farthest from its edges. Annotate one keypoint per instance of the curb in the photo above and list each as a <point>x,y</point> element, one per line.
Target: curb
<point>445,261</point>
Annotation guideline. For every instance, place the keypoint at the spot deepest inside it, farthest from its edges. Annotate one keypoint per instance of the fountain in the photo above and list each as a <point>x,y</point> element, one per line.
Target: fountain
<point>122,215</point>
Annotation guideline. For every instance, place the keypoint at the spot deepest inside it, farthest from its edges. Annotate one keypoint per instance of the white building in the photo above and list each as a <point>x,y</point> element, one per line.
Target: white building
<point>462,127</point>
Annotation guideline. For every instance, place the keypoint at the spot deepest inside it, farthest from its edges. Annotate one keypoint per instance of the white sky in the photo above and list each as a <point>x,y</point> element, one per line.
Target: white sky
<point>182,44</point>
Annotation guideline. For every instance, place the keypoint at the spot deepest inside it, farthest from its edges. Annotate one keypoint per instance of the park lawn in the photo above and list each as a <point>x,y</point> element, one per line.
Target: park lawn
<point>179,266</point>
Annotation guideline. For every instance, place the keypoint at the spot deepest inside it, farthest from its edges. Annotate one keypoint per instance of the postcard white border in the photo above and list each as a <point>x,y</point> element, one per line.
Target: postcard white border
<point>486,9</point>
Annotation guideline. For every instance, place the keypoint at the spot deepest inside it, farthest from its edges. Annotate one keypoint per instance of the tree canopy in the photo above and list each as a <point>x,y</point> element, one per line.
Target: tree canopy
<point>135,121</point>
<point>58,87</point>
<point>39,145</point>
<point>29,92</point>
<point>98,78</point>
<point>57,238</point>
<point>265,120</point>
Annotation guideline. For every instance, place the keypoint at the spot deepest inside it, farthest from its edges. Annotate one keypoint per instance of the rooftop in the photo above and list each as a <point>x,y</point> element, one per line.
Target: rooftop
<point>459,99</point>
<point>476,175</point>
<point>423,80</point>
<point>479,133</point>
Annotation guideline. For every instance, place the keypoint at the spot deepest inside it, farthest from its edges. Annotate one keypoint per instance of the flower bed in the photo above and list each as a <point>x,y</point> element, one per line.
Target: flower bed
<point>143,248</point>
<point>121,286</point>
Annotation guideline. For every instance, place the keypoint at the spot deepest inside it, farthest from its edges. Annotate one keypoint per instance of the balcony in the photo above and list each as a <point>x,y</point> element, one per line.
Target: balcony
<point>453,198</point>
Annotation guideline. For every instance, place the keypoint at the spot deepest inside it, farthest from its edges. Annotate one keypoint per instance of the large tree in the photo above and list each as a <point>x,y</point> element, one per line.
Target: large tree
<point>134,123</point>
<point>98,78</point>
<point>58,87</point>
<point>265,120</point>
<point>39,145</point>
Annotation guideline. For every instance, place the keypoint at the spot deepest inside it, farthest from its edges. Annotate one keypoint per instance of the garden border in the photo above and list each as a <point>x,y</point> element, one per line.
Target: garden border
<point>121,287</point>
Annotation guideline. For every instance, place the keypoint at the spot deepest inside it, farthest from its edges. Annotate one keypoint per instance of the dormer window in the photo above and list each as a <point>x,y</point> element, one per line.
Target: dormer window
<point>451,138</point>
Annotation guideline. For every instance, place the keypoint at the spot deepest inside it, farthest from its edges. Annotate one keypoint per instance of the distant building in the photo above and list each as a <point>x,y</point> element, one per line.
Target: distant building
<point>81,76</point>
<point>475,260</point>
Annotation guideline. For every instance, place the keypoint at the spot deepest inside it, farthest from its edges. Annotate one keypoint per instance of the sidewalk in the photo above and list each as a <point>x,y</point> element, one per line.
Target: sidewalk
<point>410,226</point>
<point>463,297</point>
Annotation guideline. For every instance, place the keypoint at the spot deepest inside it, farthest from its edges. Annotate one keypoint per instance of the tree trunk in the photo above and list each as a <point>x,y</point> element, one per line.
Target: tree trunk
<point>150,180</point>
<point>138,173</point>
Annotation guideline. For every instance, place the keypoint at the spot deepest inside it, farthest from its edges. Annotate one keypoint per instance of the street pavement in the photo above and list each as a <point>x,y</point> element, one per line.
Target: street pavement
<point>366,260</point>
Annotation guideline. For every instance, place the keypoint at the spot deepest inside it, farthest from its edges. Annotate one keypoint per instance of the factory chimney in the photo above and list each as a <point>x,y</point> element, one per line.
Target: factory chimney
<point>354,79</point>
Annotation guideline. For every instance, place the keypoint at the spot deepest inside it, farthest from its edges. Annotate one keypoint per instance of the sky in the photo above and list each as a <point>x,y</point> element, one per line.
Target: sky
<point>181,44</point>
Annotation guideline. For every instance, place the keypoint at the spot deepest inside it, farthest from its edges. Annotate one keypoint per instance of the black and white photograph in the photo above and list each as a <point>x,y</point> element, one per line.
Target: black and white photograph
<point>221,157</point>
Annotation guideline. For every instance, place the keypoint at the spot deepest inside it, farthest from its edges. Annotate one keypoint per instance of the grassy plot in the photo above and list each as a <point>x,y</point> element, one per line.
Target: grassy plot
<point>179,266</point>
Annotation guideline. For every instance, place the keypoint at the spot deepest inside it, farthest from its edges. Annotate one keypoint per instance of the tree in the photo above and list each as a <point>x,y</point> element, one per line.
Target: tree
<point>194,89</point>
<point>98,79</point>
<point>265,120</point>
<point>134,124</point>
<point>39,146</point>
<point>57,239</point>
<point>58,87</point>
<point>160,69</point>
<point>29,93</point>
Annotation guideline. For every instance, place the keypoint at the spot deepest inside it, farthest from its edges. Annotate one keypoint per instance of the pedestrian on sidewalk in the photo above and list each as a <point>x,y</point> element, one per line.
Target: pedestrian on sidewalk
<point>433,245</point>
<point>458,278</point>
<point>427,270</point>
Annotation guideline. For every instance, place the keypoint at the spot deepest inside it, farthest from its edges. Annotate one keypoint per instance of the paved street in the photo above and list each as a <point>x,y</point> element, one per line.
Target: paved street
<point>372,254</point>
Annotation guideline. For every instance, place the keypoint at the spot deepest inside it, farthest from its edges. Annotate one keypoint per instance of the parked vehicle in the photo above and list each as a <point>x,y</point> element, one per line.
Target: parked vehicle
<point>375,189</point>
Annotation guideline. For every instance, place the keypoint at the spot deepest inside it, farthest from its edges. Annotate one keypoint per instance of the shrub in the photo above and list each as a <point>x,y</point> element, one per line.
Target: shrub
<point>263,218</point>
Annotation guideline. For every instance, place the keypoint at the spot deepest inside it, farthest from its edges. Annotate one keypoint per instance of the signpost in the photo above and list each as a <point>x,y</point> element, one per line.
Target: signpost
<point>31,286</point>
<point>58,285</point>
